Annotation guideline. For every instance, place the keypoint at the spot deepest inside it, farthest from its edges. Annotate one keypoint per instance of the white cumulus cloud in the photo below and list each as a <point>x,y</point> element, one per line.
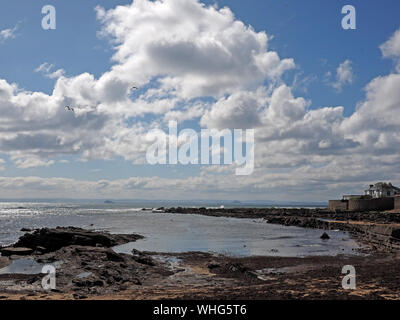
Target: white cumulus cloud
<point>391,48</point>
<point>344,75</point>
<point>200,63</point>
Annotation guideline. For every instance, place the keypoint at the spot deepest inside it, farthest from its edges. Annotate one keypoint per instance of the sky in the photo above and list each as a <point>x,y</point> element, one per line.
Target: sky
<point>323,101</point>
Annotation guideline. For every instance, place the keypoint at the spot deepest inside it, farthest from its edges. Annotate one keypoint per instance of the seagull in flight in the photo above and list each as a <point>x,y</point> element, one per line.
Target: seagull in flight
<point>135,88</point>
<point>69,108</point>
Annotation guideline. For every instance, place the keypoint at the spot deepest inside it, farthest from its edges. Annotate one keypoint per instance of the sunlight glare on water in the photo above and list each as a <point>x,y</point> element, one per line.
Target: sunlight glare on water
<point>166,232</point>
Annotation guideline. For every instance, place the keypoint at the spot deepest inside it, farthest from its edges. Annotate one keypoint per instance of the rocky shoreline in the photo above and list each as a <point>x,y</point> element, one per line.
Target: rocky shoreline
<point>86,263</point>
<point>87,267</point>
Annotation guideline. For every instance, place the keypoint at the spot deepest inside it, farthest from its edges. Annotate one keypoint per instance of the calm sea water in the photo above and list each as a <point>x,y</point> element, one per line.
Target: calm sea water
<point>173,232</point>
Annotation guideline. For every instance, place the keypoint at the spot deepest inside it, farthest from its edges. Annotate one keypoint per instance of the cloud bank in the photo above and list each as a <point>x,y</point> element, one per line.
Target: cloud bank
<point>200,63</point>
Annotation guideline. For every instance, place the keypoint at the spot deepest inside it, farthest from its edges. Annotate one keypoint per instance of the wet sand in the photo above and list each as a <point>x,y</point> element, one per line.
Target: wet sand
<point>203,276</point>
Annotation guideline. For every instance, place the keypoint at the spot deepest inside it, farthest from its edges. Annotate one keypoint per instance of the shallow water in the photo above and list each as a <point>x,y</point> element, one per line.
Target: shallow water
<point>237,237</point>
<point>165,232</point>
<point>23,266</point>
<point>27,266</point>
<point>84,275</point>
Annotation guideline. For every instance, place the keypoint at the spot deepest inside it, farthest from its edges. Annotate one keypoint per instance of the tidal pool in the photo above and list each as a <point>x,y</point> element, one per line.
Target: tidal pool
<point>236,237</point>
<point>22,266</point>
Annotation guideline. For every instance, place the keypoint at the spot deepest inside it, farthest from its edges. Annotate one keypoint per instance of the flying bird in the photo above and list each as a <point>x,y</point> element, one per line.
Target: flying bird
<point>69,108</point>
<point>135,88</point>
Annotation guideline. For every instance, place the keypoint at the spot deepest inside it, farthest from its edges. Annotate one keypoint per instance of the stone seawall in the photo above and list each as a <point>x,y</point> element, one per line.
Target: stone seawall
<point>371,204</point>
<point>340,205</point>
<point>363,204</point>
<point>397,203</point>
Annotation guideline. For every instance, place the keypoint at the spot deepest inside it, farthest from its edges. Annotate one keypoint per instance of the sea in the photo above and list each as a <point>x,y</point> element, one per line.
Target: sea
<point>172,233</point>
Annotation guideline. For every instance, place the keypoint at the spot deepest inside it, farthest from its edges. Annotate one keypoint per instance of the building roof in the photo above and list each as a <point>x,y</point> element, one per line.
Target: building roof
<point>383,186</point>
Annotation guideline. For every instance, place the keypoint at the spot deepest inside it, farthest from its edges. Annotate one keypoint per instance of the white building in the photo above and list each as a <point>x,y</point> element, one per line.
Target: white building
<point>381,190</point>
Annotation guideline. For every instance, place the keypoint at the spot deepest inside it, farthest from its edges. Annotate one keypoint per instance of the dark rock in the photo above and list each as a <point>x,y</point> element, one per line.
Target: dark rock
<point>144,260</point>
<point>237,267</point>
<point>33,279</point>
<point>213,265</point>
<point>88,283</point>
<point>26,230</point>
<point>54,239</point>
<point>136,252</point>
<point>40,249</point>
<point>113,256</point>
<point>396,233</point>
<point>118,278</point>
<point>325,236</point>
<point>98,283</point>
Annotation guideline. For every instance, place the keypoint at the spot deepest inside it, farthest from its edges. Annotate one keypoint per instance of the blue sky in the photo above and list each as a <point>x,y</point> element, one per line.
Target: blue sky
<point>309,32</point>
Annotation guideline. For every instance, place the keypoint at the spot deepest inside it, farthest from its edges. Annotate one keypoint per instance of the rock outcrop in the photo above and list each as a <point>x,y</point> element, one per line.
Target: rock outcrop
<point>49,240</point>
<point>325,236</point>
